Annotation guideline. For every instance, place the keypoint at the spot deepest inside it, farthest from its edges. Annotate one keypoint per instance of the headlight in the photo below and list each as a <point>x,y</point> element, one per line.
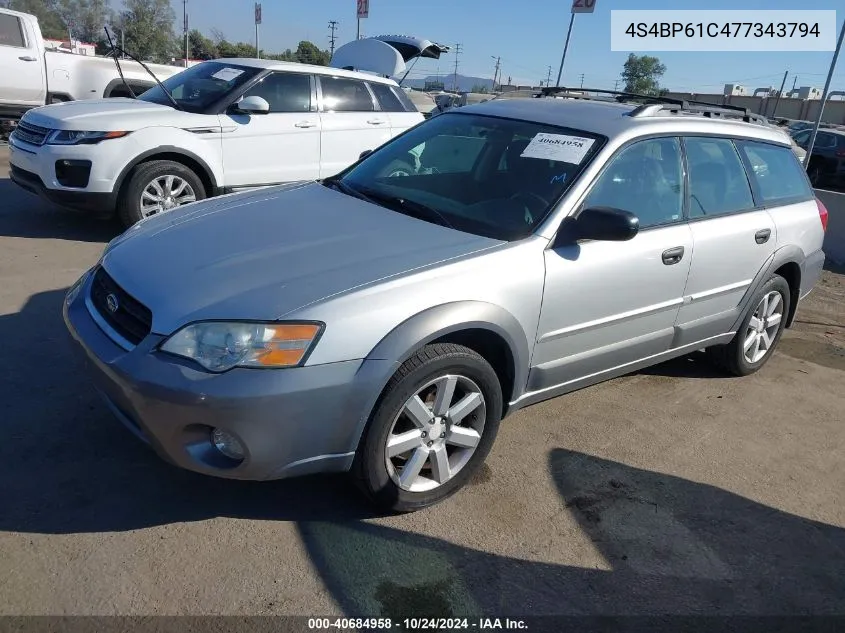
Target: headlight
<point>75,137</point>
<point>219,346</point>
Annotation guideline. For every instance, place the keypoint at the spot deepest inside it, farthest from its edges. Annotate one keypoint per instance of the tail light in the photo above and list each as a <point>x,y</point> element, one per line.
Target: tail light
<point>840,153</point>
<point>822,214</point>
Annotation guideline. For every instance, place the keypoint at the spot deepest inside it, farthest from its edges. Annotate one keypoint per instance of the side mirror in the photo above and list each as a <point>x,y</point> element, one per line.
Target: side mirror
<point>366,152</point>
<point>605,224</point>
<point>253,105</point>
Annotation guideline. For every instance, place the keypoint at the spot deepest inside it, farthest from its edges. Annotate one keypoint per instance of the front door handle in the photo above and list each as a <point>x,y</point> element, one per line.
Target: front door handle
<point>673,255</point>
<point>376,121</point>
<point>305,124</point>
<point>762,236</point>
<point>28,58</point>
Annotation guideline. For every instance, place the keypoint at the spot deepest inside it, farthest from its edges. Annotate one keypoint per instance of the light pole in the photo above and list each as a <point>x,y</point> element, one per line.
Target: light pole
<point>824,97</point>
<point>565,46</point>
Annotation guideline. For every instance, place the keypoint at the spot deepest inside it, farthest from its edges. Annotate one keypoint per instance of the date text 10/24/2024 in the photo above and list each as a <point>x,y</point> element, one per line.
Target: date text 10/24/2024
<point>417,624</point>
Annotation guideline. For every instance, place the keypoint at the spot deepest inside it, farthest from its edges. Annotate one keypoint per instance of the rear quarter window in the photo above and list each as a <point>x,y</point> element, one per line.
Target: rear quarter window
<point>776,173</point>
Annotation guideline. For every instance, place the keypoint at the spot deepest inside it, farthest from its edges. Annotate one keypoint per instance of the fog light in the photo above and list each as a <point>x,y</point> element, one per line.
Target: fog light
<point>227,444</point>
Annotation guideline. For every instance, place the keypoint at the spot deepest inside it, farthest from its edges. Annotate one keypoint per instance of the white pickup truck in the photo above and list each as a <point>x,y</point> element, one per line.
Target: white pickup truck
<point>32,76</point>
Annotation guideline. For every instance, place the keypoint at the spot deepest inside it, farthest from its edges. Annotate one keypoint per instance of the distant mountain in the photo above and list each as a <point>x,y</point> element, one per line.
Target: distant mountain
<point>465,83</point>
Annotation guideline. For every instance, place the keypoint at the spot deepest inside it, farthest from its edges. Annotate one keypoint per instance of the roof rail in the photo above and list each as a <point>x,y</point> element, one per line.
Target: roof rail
<point>647,108</point>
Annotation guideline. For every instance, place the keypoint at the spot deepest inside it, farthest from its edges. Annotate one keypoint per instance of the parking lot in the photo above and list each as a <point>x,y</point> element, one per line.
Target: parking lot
<point>672,490</point>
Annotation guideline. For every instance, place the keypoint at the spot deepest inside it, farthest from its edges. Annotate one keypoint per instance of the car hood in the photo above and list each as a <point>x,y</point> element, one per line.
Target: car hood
<point>263,254</point>
<point>114,113</point>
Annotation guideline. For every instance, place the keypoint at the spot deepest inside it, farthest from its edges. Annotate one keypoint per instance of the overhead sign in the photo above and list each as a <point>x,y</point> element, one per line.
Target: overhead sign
<point>258,13</point>
<point>364,8</point>
<point>583,6</point>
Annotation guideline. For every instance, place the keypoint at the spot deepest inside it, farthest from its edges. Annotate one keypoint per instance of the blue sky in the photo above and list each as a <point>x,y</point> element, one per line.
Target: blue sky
<point>528,36</point>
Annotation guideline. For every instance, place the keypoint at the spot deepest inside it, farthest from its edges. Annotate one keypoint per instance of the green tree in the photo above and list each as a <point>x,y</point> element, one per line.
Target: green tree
<point>147,26</point>
<point>308,53</point>
<point>642,74</point>
<point>199,46</point>
<point>85,19</point>
<point>51,24</point>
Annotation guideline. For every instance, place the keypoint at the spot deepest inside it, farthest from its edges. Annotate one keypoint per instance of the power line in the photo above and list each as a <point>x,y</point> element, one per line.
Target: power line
<point>455,82</point>
<point>332,28</point>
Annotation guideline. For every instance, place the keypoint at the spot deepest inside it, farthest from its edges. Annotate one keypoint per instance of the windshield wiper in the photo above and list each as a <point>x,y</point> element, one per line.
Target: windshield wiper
<point>408,207</point>
<point>115,49</point>
<point>341,186</point>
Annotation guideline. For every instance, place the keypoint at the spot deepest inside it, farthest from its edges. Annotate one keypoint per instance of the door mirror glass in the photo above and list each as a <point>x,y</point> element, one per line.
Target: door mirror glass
<point>606,224</point>
<point>253,105</point>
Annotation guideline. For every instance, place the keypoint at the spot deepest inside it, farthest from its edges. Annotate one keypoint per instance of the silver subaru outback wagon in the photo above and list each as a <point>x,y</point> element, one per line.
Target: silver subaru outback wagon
<point>383,321</point>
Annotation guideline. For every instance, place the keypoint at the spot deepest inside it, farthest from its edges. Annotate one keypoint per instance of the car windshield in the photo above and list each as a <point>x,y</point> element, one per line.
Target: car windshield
<point>196,88</point>
<point>485,175</point>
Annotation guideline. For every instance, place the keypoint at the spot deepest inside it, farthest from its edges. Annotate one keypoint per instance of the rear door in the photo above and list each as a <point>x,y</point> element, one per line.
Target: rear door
<point>281,146</point>
<point>732,236</point>
<point>394,102</point>
<point>351,122</point>
<point>21,63</point>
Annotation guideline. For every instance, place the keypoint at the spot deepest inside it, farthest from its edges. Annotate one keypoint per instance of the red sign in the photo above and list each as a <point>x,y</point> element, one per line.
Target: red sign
<point>363,9</point>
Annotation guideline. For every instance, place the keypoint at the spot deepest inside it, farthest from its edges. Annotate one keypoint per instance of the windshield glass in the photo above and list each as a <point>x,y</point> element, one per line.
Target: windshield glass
<point>196,88</point>
<point>484,175</point>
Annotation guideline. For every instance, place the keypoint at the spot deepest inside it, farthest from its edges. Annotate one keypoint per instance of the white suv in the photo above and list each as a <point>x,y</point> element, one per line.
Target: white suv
<point>219,126</point>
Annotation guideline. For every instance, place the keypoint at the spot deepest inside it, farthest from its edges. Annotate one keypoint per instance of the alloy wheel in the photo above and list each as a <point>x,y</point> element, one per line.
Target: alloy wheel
<point>165,193</point>
<point>436,433</point>
<point>763,327</point>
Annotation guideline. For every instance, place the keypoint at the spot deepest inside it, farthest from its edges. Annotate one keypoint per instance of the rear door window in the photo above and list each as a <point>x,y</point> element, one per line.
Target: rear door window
<point>11,31</point>
<point>345,95</point>
<point>718,183</point>
<point>777,174</point>
<point>387,100</point>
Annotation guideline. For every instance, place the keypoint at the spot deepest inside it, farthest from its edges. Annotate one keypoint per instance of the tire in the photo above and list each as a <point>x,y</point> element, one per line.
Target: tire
<point>144,175</point>
<point>732,357</point>
<point>379,477</point>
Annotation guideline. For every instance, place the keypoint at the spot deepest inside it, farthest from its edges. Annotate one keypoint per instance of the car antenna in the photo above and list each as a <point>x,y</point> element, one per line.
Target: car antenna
<point>116,48</point>
<point>117,63</point>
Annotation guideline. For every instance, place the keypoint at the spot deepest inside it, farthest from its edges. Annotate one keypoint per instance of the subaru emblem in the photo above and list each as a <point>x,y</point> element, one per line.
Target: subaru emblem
<point>112,303</point>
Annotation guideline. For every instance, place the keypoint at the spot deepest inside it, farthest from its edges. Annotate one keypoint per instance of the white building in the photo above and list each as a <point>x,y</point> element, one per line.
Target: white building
<point>809,92</point>
<point>72,46</point>
<point>735,90</point>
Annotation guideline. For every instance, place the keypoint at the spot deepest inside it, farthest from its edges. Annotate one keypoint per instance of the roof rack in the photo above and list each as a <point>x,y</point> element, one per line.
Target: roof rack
<point>652,104</point>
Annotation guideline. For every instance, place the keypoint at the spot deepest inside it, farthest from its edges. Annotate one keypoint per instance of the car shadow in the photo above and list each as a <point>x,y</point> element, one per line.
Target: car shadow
<point>23,214</point>
<point>694,365</point>
<point>667,545</point>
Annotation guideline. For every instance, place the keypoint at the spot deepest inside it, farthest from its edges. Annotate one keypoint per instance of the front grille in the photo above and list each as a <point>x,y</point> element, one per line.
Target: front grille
<point>29,133</point>
<point>131,319</point>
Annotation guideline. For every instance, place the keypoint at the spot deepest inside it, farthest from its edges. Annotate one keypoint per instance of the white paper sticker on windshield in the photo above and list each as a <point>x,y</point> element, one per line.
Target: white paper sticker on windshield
<point>227,74</point>
<point>559,147</point>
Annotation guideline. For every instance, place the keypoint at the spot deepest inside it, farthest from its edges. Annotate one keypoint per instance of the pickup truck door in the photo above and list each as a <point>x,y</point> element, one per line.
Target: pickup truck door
<point>22,80</point>
<point>280,146</point>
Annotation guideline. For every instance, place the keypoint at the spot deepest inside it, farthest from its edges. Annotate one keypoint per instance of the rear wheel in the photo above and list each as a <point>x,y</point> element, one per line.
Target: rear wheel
<point>157,187</point>
<point>433,427</point>
<point>759,333</point>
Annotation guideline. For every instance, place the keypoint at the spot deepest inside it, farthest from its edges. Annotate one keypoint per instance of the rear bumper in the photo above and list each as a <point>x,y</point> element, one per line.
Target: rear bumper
<point>811,271</point>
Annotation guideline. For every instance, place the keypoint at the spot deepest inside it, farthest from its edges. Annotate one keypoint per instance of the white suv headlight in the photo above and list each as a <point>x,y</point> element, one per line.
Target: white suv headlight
<point>219,346</point>
<point>77,137</point>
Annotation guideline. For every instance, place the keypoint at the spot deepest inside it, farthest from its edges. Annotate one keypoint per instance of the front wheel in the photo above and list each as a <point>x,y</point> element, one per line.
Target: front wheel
<point>759,333</point>
<point>433,427</point>
<point>157,187</point>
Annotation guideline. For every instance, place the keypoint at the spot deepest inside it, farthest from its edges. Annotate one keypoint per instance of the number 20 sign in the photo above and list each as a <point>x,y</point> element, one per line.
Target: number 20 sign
<point>583,6</point>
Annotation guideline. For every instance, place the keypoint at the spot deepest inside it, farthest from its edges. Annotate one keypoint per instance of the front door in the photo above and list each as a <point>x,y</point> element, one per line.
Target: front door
<point>281,146</point>
<point>609,304</point>
<point>351,123</point>
<point>21,64</point>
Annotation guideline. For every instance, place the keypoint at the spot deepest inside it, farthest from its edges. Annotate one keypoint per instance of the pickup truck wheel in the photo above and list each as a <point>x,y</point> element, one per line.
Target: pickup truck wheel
<point>433,427</point>
<point>157,187</point>
<point>759,333</point>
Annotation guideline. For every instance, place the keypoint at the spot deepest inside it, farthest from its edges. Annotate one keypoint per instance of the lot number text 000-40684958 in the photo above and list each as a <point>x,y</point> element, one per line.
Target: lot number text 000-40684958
<point>723,30</point>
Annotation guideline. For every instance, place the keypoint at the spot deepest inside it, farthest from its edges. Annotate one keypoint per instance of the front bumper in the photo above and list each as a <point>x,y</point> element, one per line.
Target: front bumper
<point>291,421</point>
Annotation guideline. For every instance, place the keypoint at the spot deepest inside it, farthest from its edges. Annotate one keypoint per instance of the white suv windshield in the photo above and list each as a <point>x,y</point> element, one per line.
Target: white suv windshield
<point>196,88</point>
<point>485,175</point>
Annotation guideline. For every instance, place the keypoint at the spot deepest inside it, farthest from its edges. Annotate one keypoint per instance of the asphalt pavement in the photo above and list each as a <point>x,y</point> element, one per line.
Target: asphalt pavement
<point>672,490</point>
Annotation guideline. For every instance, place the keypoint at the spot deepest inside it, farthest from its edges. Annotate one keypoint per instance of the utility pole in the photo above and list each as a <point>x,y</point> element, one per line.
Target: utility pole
<point>825,93</point>
<point>777,101</point>
<point>549,77</point>
<point>332,28</point>
<point>257,23</point>
<point>615,85</point>
<point>455,82</point>
<point>185,28</point>
<point>496,72</point>
<point>582,80</point>
<point>794,81</point>
<point>565,47</point>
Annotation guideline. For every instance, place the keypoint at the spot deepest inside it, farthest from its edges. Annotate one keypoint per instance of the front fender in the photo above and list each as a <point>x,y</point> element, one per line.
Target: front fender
<point>429,325</point>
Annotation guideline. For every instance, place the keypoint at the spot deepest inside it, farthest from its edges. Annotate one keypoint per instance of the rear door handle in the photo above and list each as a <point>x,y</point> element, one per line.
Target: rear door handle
<point>28,58</point>
<point>305,124</point>
<point>673,255</point>
<point>762,236</point>
<point>376,121</point>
